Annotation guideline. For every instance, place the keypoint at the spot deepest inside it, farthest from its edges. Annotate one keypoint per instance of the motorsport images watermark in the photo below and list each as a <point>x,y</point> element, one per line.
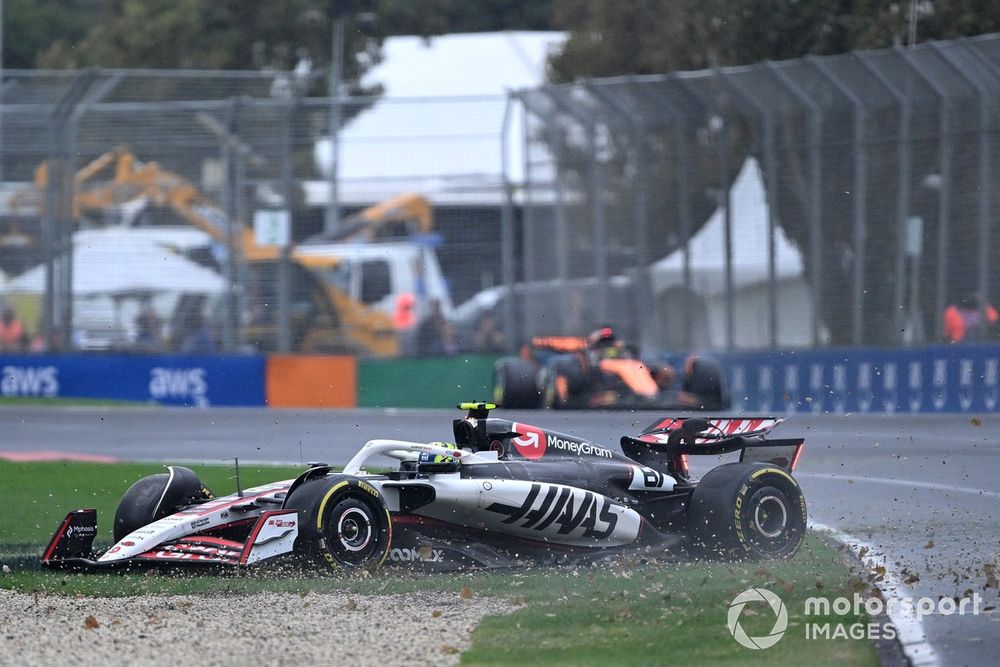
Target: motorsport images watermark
<point>821,607</point>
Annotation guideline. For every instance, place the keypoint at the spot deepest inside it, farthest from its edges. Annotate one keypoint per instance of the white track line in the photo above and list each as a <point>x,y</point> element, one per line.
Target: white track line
<point>909,628</point>
<point>911,484</point>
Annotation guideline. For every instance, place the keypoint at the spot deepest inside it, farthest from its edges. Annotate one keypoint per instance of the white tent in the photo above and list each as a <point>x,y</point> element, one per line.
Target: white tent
<point>116,261</point>
<point>117,272</point>
<point>437,129</point>
<point>750,251</point>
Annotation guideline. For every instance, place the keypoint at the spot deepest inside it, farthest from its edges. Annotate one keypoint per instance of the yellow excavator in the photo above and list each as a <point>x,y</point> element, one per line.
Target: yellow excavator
<point>324,318</point>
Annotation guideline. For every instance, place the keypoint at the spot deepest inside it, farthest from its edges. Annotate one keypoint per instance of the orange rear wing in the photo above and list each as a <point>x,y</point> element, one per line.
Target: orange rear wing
<point>560,343</point>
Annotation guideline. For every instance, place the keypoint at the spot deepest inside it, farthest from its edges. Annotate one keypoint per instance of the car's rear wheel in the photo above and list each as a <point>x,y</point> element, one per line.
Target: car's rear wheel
<point>747,510</point>
<point>562,383</point>
<point>514,384</point>
<point>704,380</point>
<point>157,496</point>
<point>343,522</point>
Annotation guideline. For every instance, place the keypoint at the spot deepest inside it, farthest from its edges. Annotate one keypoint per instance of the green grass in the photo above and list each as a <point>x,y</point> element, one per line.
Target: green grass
<point>627,614</point>
<point>20,401</point>
<point>40,494</point>
<point>667,614</point>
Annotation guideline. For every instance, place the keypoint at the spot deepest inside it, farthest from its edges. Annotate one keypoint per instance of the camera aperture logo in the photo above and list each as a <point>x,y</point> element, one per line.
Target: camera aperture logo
<point>844,618</point>
<point>776,605</point>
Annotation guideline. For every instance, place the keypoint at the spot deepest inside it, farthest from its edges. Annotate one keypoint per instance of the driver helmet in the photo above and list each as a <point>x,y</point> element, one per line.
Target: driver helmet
<point>603,337</point>
<point>438,458</point>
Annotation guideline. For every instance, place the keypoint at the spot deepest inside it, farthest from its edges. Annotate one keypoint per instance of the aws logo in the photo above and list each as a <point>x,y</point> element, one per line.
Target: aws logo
<point>186,384</point>
<point>30,381</point>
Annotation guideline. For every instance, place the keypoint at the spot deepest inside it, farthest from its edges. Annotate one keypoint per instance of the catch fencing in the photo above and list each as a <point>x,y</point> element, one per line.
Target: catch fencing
<point>187,162</point>
<point>841,200</point>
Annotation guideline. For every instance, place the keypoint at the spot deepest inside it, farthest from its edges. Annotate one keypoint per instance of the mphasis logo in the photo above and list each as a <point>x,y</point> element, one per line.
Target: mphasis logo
<point>42,381</point>
<point>179,384</point>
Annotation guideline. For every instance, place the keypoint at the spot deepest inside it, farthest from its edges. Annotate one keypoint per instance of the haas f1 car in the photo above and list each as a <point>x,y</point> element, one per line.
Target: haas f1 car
<point>504,493</point>
<point>600,371</point>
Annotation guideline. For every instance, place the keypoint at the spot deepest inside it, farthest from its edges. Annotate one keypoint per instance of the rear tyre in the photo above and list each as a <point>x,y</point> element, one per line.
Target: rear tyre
<point>704,380</point>
<point>157,496</point>
<point>562,383</point>
<point>747,511</point>
<point>344,523</point>
<point>514,384</point>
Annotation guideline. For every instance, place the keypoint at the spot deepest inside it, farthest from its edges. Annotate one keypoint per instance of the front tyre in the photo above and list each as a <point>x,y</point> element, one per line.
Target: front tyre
<point>704,380</point>
<point>562,382</point>
<point>344,522</point>
<point>156,496</point>
<point>514,383</point>
<point>747,511</point>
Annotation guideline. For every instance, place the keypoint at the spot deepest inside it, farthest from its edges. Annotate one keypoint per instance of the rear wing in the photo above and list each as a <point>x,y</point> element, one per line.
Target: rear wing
<point>709,430</point>
<point>559,343</point>
<point>668,441</point>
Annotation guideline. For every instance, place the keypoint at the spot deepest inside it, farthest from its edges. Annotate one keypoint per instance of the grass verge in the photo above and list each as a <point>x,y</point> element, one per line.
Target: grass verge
<point>628,614</point>
<point>20,401</point>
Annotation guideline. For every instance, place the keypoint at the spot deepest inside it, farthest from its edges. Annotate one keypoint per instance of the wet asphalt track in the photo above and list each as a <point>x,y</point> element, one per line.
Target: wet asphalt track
<point>923,491</point>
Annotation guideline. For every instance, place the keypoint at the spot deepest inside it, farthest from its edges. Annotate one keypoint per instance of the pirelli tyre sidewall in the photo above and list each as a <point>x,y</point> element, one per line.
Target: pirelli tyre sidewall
<point>565,370</point>
<point>344,522</point>
<point>514,383</point>
<point>747,511</point>
<point>155,497</point>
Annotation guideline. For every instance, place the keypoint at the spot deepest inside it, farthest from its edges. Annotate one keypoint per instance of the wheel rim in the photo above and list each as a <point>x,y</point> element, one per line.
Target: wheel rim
<point>354,529</point>
<point>770,517</point>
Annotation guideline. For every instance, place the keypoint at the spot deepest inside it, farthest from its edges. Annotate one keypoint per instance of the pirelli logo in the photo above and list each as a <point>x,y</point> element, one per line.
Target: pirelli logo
<point>367,488</point>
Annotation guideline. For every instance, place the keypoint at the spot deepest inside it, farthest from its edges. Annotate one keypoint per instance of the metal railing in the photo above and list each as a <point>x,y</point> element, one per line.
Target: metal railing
<point>842,200</point>
<point>866,199</point>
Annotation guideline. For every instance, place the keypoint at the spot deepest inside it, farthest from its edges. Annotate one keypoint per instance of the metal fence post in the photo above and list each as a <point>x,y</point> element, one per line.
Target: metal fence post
<point>860,193</point>
<point>528,231</point>
<point>944,192</point>
<point>904,99</point>
<point>557,146</point>
<point>646,314</point>
<point>58,308</point>
<point>815,114</point>
<point>93,95</point>
<point>770,169</point>
<point>229,158</point>
<point>725,201</point>
<point>284,262</point>
<point>507,229</point>
<point>596,199</point>
<point>985,168</point>
<point>680,128</point>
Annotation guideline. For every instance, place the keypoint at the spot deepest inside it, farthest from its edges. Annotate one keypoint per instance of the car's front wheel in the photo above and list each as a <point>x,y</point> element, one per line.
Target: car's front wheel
<point>343,521</point>
<point>514,384</point>
<point>157,496</point>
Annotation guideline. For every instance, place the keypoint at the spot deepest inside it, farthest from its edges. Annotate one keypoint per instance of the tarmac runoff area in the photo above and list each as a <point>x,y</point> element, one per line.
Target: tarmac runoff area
<point>263,628</point>
<point>916,494</point>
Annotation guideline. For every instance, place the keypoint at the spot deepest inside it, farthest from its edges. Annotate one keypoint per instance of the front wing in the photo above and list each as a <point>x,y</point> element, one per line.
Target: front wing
<point>272,534</point>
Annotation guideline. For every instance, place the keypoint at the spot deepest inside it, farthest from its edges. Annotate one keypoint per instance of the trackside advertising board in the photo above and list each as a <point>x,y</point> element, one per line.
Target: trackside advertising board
<point>941,378</point>
<point>197,381</point>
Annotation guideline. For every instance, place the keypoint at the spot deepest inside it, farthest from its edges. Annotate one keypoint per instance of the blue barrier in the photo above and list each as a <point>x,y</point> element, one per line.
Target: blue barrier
<point>940,378</point>
<point>170,379</point>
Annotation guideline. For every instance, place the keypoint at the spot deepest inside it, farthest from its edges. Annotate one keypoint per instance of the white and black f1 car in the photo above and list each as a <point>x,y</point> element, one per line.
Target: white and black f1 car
<point>503,493</point>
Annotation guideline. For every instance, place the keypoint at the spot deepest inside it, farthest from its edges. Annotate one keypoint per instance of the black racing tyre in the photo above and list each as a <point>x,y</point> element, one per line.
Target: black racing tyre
<point>514,384</point>
<point>705,379</point>
<point>343,522</point>
<point>157,496</point>
<point>563,382</point>
<point>747,511</point>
